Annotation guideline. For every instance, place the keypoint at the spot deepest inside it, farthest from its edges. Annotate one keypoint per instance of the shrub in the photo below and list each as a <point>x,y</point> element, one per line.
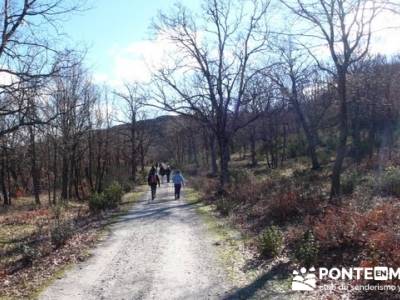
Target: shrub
<point>247,193</point>
<point>127,187</point>
<point>288,206</point>
<point>360,150</point>
<point>208,187</point>
<point>324,157</point>
<point>338,228</point>
<point>224,206</point>
<point>292,150</point>
<point>284,207</point>
<point>29,253</point>
<point>385,215</point>
<point>241,176</point>
<point>60,233</point>
<point>331,143</point>
<point>300,173</point>
<point>271,241</point>
<point>57,210</point>
<point>307,249</point>
<point>349,182</point>
<point>311,201</point>
<point>372,233</point>
<point>141,178</point>
<point>113,194</point>
<point>108,199</point>
<point>97,202</point>
<point>297,148</point>
<point>389,183</point>
<point>304,177</point>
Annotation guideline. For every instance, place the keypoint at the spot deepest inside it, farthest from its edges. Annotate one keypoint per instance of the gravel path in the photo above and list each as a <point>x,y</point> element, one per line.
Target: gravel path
<point>159,250</point>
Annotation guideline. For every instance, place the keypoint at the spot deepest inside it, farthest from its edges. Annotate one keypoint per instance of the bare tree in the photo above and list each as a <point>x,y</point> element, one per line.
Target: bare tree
<point>74,101</point>
<point>133,101</point>
<point>218,54</point>
<point>144,140</point>
<point>345,28</point>
<point>28,35</point>
<point>299,81</point>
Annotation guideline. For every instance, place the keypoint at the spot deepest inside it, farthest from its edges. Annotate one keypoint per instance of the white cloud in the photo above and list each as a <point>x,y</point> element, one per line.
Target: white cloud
<point>100,78</point>
<point>385,37</point>
<point>7,78</point>
<point>386,34</point>
<point>134,62</point>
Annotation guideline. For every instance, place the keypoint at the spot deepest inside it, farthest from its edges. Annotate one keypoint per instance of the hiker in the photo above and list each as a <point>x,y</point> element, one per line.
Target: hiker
<point>162,172</point>
<point>168,173</point>
<point>153,180</point>
<point>178,181</point>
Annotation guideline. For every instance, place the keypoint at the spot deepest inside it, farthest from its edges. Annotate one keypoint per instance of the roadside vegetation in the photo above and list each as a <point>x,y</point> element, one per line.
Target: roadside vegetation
<point>287,214</point>
<point>37,244</point>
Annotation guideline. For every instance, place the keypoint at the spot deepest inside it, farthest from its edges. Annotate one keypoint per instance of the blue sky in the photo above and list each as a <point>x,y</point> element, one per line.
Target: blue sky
<point>108,26</point>
<point>117,34</point>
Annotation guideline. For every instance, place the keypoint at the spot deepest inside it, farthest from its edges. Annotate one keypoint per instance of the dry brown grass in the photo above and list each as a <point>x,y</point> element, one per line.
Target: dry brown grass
<point>28,255</point>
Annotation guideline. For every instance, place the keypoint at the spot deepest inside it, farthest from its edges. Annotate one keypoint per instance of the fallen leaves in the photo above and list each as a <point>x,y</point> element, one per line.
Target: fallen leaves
<point>25,281</point>
<point>25,237</point>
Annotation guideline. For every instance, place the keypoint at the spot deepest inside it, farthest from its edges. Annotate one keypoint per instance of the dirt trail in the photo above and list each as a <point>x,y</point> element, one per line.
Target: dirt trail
<point>159,250</point>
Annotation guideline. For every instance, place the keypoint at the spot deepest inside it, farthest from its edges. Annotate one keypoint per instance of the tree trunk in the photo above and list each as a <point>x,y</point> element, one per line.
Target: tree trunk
<point>75,162</point>
<point>267,156</point>
<point>133,149</point>
<point>98,184</point>
<point>142,162</point>
<point>253,147</point>
<point>206,150</point>
<point>65,176</point>
<point>195,156</point>
<point>284,144</point>
<point>55,172</point>
<point>310,136</point>
<point>224,177</point>
<point>372,131</point>
<point>356,147</point>
<point>89,169</point>
<point>71,176</point>
<point>6,200</point>
<point>48,170</point>
<point>343,133</point>
<point>355,131</point>
<point>35,173</point>
<point>213,156</point>
<point>314,158</point>
<point>8,169</point>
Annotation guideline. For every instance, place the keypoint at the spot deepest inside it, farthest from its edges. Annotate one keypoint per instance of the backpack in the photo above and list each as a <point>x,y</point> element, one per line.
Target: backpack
<point>153,179</point>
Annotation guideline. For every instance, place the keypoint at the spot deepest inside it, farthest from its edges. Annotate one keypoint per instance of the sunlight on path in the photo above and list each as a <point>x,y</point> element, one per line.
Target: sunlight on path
<point>159,250</point>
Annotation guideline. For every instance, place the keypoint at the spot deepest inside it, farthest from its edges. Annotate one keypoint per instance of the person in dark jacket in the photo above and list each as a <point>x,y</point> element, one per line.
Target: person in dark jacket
<point>162,172</point>
<point>153,180</point>
<point>168,173</point>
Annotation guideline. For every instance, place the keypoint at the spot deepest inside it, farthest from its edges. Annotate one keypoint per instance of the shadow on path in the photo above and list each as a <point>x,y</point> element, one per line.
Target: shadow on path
<point>278,272</point>
<point>152,212</point>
